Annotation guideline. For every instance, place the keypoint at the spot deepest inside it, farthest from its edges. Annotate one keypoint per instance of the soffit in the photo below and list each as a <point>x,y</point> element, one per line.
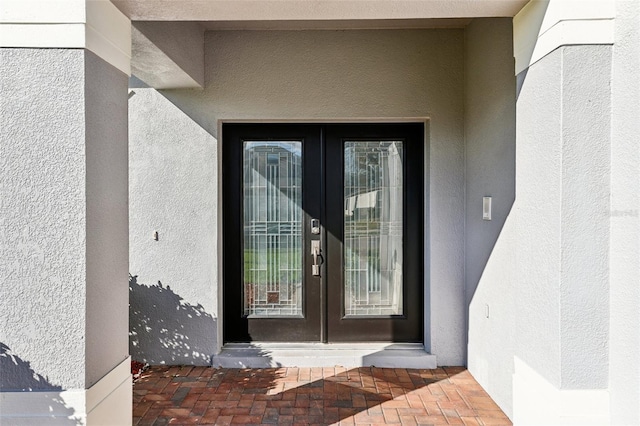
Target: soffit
<point>345,24</point>
<point>300,12</point>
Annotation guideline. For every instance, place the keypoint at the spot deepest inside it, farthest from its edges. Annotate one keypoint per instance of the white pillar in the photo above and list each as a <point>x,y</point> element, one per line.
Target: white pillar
<point>563,185</point>
<point>64,69</point>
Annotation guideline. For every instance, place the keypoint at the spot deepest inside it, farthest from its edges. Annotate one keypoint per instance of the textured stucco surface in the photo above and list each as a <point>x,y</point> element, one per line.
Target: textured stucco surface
<point>107,230</point>
<point>547,253</point>
<point>168,54</point>
<point>584,284</point>
<point>490,96</point>
<point>63,221</point>
<point>320,75</point>
<point>624,297</point>
<point>42,211</point>
<point>538,203</point>
<point>562,187</point>
<point>173,190</point>
<point>550,260</point>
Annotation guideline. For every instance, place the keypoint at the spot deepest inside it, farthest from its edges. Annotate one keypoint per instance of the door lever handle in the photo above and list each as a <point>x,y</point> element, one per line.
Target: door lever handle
<point>316,253</point>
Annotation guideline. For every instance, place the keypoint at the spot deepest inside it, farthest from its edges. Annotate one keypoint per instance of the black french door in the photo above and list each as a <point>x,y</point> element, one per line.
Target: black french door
<point>323,231</point>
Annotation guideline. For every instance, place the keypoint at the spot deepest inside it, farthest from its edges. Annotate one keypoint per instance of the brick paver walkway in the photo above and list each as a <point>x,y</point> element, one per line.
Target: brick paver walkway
<point>308,396</point>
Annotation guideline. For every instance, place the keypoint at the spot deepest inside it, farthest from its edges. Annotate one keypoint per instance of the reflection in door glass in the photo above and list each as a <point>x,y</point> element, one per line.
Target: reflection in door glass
<point>272,205</point>
<point>373,228</point>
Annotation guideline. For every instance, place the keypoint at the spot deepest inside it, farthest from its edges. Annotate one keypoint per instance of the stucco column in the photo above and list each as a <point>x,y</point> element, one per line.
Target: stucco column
<point>553,318</point>
<point>564,59</point>
<point>64,69</point>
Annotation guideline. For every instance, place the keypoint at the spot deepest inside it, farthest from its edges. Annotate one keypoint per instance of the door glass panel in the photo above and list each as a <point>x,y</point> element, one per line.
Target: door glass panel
<point>272,205</point>
<point>373,208</point>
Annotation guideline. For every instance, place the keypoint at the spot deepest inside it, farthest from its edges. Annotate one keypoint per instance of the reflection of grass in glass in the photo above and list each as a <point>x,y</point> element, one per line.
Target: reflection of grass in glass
<point>282,266</point>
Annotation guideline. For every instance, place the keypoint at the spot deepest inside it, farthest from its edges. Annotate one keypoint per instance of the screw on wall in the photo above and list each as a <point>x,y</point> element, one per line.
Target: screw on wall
<point>155,235</point>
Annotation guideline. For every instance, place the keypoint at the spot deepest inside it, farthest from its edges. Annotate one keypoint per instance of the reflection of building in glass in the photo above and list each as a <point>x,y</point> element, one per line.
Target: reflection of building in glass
<point>373,206</point>
<point>272,182</point>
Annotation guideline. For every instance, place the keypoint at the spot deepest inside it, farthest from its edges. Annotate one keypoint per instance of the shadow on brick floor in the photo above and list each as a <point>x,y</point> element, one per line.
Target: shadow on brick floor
<point>322,396</point>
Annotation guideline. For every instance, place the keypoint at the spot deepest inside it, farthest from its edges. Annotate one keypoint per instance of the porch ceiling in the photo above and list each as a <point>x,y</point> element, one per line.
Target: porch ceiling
<point>301,11</point>
<point>168,35</point>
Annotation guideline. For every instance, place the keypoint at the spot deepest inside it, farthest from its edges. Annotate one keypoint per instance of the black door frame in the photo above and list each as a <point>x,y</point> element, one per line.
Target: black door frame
<point>308,328</point>
<point>402,328</point>
<point>319,140</point>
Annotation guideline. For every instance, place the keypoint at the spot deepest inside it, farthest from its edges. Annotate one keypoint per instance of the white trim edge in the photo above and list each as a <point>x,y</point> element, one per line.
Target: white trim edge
<point>100,391</point>
<point>42,35</point>
<point>541,27</point>
<point>106,32</point>
<point>565,33</point>
<point>108,401</point>
<point>42,11</point>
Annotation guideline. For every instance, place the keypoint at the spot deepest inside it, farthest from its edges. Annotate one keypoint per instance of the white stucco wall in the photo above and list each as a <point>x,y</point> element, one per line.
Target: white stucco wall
<point>63,214</point>
<point>624,257</point>
<point>584,285</point>
<point>568,251</point>
<point>490,95</point>
<point>168,54</point>
<point>320,76</point>
<point>550,260</point>
<point>561,355</point>
<point>173,186</point>
<point>42,220</point>
<point>554,246</point>
<point>538,207</point>
<point>107,222</point>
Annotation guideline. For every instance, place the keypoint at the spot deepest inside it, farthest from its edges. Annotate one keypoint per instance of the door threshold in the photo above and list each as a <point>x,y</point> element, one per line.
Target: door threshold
<point>349,355</point>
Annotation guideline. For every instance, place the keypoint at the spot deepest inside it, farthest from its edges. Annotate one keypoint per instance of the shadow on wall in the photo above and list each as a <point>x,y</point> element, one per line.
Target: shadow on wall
<point>16,375</point>
<point>163,329</point>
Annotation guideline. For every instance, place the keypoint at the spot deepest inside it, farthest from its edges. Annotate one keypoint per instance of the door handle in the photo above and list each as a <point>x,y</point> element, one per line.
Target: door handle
<point>316,253</point>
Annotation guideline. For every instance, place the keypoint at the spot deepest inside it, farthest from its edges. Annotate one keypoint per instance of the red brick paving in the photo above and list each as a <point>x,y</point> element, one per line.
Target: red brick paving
<point>311,396</point>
